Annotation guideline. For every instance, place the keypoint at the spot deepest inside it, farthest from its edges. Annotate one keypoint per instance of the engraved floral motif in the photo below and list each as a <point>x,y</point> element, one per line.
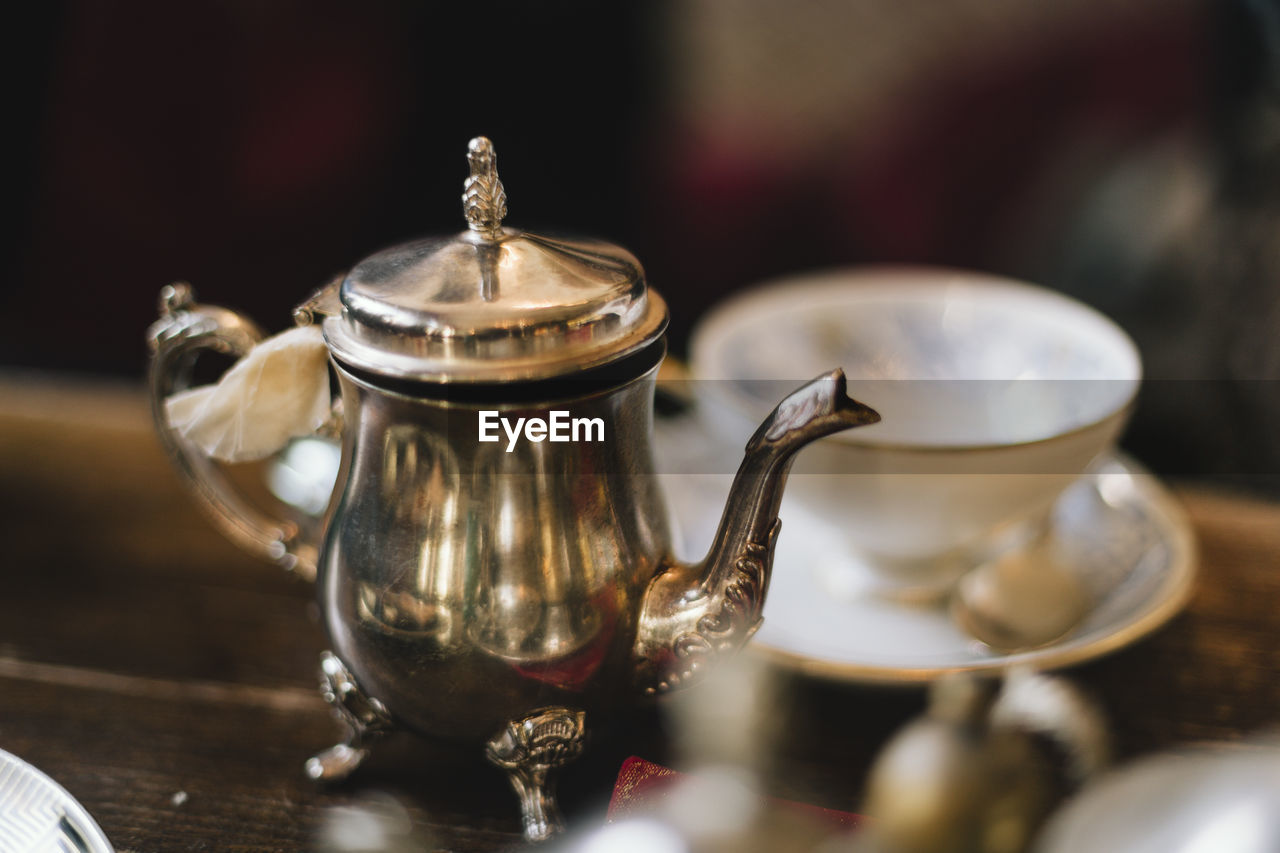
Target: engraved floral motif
<point>484,200</point>
<point>545,739</point>
<point>727,628</point>
<point>529,750</point>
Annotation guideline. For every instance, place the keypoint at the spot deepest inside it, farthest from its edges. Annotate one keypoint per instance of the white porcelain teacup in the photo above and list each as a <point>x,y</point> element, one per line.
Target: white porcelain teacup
<point>995,395</point>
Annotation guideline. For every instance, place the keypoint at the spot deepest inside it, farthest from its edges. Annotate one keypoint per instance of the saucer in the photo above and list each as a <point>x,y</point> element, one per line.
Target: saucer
<point>1129,537</point>
<point>36,813</point>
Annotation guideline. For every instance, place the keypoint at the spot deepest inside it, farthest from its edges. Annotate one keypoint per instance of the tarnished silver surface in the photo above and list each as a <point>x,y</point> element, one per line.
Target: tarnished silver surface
<point>521,578</point>
<point>530,750</point>
<point>184,329</point>
<point>364,717</point>
<point>465,583</point>
<point>319,305</point>
<point>493,304</point>
<point>484,199</point>
<point>695,612</point>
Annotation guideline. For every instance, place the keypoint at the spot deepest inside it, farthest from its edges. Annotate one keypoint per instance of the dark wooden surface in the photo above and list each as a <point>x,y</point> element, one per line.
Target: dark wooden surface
<point>141,656</point>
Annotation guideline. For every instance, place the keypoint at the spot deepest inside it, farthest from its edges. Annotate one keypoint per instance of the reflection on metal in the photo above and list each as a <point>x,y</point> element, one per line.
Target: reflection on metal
<point>693,613</point>
<point>530,749</point>
<point>365,718</point>
<point>502,575</point>
<point>484,200</point>
<point>185,329</point>
<point>464,583</point>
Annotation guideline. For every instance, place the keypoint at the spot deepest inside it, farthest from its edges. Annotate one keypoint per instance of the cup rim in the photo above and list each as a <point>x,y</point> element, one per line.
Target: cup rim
<point>710,331</point>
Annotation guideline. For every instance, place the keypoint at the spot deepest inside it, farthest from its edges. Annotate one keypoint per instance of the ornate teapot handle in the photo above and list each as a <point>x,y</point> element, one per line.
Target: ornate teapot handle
<point>183,330</point>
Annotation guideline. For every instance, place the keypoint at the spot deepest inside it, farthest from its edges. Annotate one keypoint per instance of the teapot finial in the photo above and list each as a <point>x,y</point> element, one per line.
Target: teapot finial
<point>484,200</point>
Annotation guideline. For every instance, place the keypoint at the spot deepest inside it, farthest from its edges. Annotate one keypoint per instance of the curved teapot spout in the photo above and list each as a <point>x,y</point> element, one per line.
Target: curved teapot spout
<point>692,613</point>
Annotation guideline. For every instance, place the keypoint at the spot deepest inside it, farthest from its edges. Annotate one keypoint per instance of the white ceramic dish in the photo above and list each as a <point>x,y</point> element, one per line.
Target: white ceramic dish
<point>1015,364</point>
<point>36,813</point>
<point>994,394</point>
<point>1119,525</point>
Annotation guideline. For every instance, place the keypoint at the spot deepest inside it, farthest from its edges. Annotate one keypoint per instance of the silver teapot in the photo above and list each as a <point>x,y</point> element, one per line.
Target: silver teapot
<point>480,582</point>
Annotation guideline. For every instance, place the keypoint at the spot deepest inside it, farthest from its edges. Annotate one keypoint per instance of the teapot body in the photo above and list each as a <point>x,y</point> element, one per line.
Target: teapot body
<point>465,581</point>
<point>494,564</point>
<point>494,561</point>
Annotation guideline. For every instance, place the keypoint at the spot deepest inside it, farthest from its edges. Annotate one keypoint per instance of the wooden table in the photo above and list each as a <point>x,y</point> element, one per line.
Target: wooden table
<point>141,656</point>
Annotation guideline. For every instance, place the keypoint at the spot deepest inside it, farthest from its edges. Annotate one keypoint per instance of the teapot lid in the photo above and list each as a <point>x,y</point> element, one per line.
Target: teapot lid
<point>492,304</point>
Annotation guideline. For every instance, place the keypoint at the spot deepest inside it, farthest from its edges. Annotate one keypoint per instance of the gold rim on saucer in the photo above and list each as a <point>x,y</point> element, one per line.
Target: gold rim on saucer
<point>1170,546</point>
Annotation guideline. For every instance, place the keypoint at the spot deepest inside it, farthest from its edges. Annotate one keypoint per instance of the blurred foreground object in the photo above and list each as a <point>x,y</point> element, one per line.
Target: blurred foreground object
<point>725,734</point>
<point>642,786</point>
<point>1215,798</point>
<point>718,809</point>
<point>378,823</point>
<point>973,775</point>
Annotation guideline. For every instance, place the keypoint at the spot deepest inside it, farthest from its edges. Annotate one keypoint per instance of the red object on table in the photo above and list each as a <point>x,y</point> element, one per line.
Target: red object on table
<point>641,785</point>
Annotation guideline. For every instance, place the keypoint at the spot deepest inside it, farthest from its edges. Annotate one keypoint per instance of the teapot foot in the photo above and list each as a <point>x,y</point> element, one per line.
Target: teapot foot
<point>335,763</point>
<point>530,749</point>
<point>365,717</point>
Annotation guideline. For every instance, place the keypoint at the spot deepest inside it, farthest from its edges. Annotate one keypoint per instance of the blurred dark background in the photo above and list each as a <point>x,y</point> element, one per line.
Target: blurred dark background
<point>1124,152</point>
